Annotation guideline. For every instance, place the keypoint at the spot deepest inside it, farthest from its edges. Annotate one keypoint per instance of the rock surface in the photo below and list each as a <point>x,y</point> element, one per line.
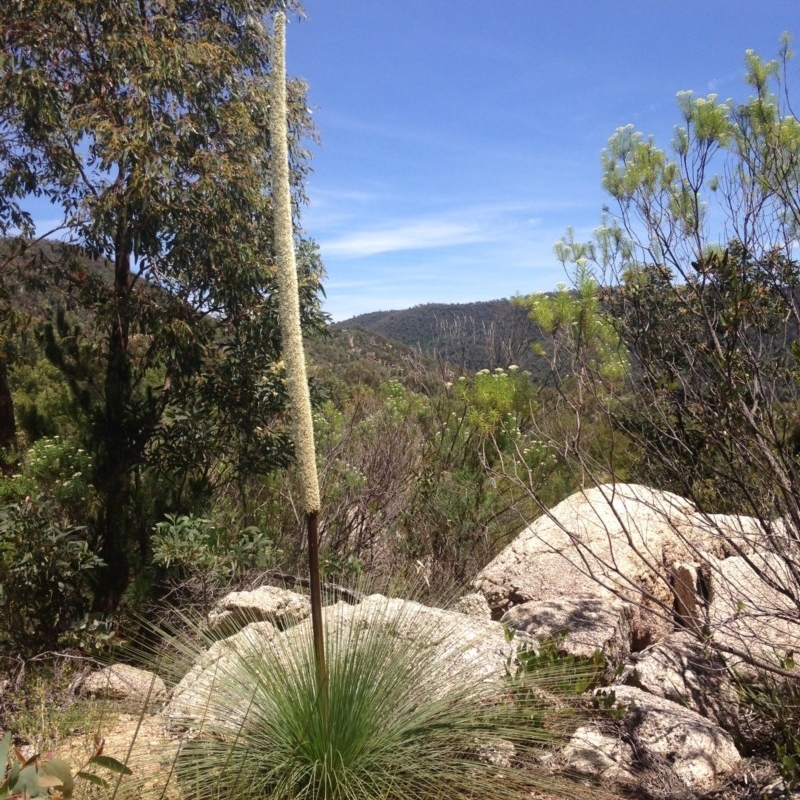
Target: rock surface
<point>125,683</point>
<point>755,607</point>
<point>607,542</point>
<point>664,592</point>
<point>192,697</point>
<point>601,755</point>
<point>473,605</point>
<point>272,604</point>
<point>581,625</point>
<point>658,742</point>
<point>682,670</point>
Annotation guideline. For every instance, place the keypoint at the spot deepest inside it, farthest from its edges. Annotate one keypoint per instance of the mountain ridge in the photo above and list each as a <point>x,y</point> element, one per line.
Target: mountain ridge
<point>479,335</point>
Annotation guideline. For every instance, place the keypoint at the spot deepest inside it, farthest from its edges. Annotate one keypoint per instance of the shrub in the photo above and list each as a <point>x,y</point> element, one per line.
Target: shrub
<point>54,467</point>
<point>199,550</point>
<point>51,777</point>
<point>45,569</point>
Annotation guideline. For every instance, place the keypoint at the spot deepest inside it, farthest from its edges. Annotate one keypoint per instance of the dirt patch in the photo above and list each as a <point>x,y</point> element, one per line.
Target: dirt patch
<point>143,743</point>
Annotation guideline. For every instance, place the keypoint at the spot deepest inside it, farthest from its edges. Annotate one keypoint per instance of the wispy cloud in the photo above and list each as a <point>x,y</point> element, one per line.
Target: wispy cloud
<point>368,233</point>
<point>417,235</point>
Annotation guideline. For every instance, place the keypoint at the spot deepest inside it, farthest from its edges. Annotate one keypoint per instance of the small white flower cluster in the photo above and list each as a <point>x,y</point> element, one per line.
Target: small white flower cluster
<point>55,465</point>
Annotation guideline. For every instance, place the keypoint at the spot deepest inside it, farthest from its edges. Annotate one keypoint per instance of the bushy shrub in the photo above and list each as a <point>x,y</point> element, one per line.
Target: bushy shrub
<point>46,566</point>
<point>55,467</point>
<point>201,551</point>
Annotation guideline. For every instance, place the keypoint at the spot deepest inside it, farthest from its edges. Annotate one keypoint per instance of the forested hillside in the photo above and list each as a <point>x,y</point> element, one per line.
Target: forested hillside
<point>471,336</point>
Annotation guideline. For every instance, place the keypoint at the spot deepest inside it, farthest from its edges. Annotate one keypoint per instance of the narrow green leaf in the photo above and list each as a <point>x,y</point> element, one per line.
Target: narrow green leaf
<point>90,777</point>
<point>5,747</point>
<point>111,764</point>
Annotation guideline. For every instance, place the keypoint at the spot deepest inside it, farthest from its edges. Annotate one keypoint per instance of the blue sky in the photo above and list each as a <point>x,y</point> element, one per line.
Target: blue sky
<point>461,138</point>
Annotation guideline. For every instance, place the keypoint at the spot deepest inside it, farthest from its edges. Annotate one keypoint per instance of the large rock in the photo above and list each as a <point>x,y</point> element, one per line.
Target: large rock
<point>192,698</point>
<point>667,740</point>
<point>700,752</point>
<point>129,685</point>
<point>609,541</point>
<point>272,604</point>
<point>473,605</point>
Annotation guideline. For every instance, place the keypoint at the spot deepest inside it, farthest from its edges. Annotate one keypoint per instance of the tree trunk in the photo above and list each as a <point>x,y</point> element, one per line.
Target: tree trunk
<point>114,443</point>
<point>8,428</point>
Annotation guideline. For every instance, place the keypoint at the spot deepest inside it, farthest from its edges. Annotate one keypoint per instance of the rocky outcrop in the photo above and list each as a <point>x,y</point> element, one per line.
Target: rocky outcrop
<point>670,597</point>
<point>129,685</point>
<point>460,645</point>
<point>673,598</point>
<point>280,607</point>
<point>610,542</point>
<point>663,563</point>
<point>657,741</point>
<point>192,698</point>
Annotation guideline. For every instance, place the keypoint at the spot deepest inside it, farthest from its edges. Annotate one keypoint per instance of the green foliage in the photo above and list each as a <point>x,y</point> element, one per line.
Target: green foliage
<point>51,777</point>
<point>773,719</point>
<point>606,702</point>
<point>60,471</point>
<point>43,708</point>
<point>46,567</point>
<point>181,307</point>
<point>406,717</point>
<point>43,401</point>
<point>199,547</point>
<point>575,674</point>
<point>584,338</point>
<point>720,378</point>
<point>55,468</point>
<point>410,474</point>
<point>459,513</point>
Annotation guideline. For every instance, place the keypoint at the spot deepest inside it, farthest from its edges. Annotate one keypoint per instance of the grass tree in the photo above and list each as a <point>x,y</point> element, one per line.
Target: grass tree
<point>291,333</point>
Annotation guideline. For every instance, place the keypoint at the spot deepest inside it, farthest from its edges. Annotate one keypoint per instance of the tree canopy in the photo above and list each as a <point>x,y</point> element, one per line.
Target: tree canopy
<point>144,124</point>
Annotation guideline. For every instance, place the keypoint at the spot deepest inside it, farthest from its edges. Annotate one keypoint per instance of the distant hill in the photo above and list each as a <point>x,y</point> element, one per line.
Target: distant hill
<point>358,357</point>
<point>471,336</point>
<point>38,277</point>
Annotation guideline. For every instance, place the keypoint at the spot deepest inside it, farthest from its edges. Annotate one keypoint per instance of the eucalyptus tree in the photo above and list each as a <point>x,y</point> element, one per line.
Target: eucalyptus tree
<point>144,124</point>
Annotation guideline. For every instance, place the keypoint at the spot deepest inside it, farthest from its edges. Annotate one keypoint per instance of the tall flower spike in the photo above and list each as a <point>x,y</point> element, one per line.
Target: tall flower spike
<point>289,310</point>
<point>292,337</point>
